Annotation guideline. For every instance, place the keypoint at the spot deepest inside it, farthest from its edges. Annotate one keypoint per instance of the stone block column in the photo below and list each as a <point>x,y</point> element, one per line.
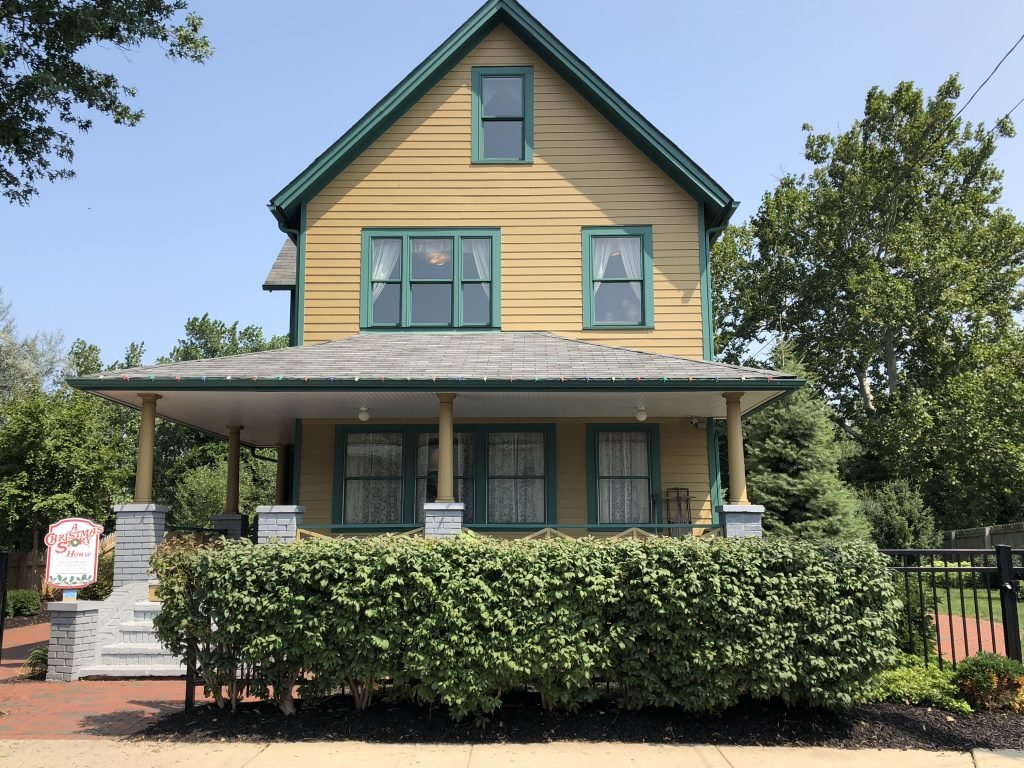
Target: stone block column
<point>741,521</point>
<point>442,520</point>
<point>229,525</point>
<point>280,521</point>
<point>74,627</point>
<point>140,529</point>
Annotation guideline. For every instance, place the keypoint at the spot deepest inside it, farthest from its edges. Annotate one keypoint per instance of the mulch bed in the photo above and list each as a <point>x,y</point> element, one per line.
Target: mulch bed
<point>521,720</point>
<point>13,622</point>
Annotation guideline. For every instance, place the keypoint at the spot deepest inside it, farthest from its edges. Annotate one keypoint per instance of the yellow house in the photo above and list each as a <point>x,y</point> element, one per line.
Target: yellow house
<point>500,314</point>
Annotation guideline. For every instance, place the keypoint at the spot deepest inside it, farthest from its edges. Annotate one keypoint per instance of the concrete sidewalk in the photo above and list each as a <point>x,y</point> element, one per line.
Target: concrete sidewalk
<point>115,754</point>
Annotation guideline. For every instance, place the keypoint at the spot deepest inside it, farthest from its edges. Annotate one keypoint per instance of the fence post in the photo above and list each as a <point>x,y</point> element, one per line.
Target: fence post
<point>1008,600</point>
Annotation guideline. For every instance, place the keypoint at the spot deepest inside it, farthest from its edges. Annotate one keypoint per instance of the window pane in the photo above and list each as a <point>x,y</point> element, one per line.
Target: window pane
<point>387,303</point>
<point>431,303</point>
<point>618,258</point>
<point>476,258</point>
<point>373,454</point>
<point>432,258</point>
<point>426,490</point>
<point>515,454</point>
<point>618,302</point>
<point>476,304</point>
<point>387,258</point>
<point>503,139</point>
<point>369,501</point>
<point>426,454</point>
<point>621,454</point>
<point>624,501</point>
<point>515,501</point>
<point>502,96</point>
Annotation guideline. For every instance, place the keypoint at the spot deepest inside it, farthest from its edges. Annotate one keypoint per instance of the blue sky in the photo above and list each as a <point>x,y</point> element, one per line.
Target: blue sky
<point>168,220</point>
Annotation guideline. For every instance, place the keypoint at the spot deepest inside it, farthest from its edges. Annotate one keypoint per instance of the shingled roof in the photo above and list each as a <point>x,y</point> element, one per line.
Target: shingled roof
<point>456,360</point>
<point>282,274</point>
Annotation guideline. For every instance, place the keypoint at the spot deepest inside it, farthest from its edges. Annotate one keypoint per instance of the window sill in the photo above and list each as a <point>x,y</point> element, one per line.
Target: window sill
<point>429,329</point>
<point>616,327</point>
<point>482,161</point>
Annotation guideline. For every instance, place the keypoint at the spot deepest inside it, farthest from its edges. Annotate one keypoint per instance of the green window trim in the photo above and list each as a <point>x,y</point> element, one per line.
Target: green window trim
<point>406,281</point>
<point>410,435</point>
<point>654,463</point>
<point>647,294</point>
<point>478,118</point>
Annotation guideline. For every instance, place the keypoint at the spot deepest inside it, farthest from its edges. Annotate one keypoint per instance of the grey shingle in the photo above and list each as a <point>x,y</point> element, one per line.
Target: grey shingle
<point>282,274</point>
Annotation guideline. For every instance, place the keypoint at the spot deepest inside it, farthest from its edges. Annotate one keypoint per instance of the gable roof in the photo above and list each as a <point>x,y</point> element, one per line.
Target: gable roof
<point>282,274</point>
<point>718,204</point>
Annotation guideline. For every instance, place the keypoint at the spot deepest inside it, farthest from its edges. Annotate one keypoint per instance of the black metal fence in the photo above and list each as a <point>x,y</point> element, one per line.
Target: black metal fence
<point>958,602</point>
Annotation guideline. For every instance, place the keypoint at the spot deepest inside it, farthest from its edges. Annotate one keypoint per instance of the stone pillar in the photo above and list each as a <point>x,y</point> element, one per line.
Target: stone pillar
<point>280,522</point>
<point>741,521</point>
<point>144,460</point>
<point>446,450</point>
<point>737,470</point>
<point>281,489</point>
<point>140,529</point>
<point>442,520</point>
<point>234,448</point>
<point>74,627</point>
<point>228,525</point>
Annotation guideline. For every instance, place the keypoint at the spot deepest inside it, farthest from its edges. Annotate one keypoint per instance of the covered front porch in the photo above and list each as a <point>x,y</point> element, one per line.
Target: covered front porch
<point>508,434</point>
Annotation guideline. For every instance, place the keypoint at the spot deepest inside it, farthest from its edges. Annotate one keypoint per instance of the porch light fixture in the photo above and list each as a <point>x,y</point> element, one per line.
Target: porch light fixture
<point>641,413</point>
<point>364,413</point>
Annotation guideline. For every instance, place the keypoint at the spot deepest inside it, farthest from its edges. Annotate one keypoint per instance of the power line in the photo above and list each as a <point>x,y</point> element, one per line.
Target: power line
<point>1012,109</point>
<point>985,81</point>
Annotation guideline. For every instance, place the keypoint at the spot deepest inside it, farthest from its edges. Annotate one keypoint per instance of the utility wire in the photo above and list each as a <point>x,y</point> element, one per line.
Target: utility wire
<point>1012,109</point>
<point>985,81</point>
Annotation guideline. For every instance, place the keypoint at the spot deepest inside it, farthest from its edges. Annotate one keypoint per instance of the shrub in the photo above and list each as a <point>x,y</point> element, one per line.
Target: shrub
<point>36,663</point>
<point>104,584</point>
<point>914,683</point>
<point>23,602</point>
<point>990,681</point>
<point>666,622</point>
<point>899,517</point>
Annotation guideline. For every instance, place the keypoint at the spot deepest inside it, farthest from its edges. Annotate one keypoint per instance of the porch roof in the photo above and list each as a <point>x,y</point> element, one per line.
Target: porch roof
<point>510,374</point>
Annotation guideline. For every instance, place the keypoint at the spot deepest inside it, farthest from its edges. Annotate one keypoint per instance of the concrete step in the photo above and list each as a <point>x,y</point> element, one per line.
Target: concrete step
<point>135,654</point>
<point>133,632</point>
<point>152,670</point>
<point>145,610</point>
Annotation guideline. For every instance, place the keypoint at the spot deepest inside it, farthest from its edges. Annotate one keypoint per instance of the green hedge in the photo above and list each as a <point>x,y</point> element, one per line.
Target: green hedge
<point>669,622</point>
<point>23,602</point>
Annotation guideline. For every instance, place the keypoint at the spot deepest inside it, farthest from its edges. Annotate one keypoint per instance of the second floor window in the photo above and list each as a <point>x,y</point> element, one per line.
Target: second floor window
<point>430,278</point>
<point>502,114</point>
<point>618,277</point>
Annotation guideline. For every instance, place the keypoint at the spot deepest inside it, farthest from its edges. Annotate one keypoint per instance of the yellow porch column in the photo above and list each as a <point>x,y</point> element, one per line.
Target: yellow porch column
<point>144,460</point>
<point>281,489</point>
<point>234,447</point>
<point>446,449</point>
<point>737,470</point>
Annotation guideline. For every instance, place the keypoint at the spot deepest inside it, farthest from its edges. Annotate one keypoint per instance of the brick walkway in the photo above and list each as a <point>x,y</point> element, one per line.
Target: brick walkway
<point>17,643</point>
<point>951,638</point>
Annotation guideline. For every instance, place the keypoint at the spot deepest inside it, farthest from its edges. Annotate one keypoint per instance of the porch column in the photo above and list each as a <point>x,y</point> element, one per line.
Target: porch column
<point>445,450</point>
<point>737,470</point>
<point>144,460</point>
<point>234,448</point>
<point>281,488</point>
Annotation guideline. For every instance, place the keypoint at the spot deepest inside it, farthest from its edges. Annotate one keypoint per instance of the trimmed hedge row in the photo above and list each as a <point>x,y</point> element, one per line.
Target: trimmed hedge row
<point>689,623</point>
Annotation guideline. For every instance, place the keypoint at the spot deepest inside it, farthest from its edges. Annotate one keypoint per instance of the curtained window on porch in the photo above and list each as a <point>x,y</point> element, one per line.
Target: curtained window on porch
<point>515,477</point>
<point>373,478</point>
<point>623,478</point>
<point>426,472</point>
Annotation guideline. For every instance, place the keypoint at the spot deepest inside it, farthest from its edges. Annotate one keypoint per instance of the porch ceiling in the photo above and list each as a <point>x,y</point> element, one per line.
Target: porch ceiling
<point>269,416</point>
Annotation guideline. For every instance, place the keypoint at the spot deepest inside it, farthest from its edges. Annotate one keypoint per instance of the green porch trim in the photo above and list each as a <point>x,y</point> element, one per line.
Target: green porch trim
<point>297,462</point>
<point>663,152</point>
<point>478,75</point>
<point>653,462</point>
<point>714,470</point>
<point>406,235</point>
<point>410,435</point>
<point>706,315</point>
<point>647,314</point>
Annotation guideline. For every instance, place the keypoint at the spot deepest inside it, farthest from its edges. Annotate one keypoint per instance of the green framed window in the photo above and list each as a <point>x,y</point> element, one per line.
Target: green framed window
<point>431,278</point>
<point>618,277</point>
<point>504,474</point>
<point>502,112</point>
<point>623,474</point>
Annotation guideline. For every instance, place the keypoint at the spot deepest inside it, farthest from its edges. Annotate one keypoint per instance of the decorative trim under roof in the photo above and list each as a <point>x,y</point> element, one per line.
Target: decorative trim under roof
<point>719,205</point>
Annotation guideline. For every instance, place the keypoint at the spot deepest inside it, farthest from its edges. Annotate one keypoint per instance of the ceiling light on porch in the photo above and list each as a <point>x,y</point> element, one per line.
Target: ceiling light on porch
<point>641,413</point>
<point>364,413</point>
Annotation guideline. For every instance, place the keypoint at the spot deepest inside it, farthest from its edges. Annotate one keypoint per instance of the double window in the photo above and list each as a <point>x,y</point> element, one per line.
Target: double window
<point>502,115</point>
<point>618,277</point>
<point>503,474</point>
<point>431,278</point>
<point>624,474</point>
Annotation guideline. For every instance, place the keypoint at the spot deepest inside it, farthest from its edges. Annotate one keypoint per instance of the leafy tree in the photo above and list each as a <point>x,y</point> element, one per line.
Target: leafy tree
<point>898,516</point>
<point>792,459</point>
<point>206,337</point>
<point>25,361</point>
<point>45,88</point>
<point>200,492</point>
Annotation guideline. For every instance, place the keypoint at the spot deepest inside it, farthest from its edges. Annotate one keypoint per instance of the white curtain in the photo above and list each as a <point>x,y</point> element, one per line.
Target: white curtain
<point>632,249</point>
<point>386,253</point>
<point>601,249</point>
<point>373,478</point>
<point>479,250</point>
<point>515,487</point>
<point>623,486</point>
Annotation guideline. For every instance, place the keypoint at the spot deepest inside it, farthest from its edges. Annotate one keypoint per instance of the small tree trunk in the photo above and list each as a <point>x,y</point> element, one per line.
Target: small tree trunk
<point>865,391</point>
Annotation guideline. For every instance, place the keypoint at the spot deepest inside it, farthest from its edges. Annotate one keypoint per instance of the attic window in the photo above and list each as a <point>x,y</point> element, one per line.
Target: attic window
<point>502,114</point>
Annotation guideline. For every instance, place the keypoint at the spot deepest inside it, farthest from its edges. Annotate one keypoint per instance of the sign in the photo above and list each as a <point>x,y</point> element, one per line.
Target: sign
<point>72,553</point>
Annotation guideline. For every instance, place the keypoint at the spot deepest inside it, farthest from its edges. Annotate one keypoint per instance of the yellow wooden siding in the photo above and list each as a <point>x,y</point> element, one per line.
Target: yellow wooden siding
<point>585,173</point>
<point>684,463</point>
